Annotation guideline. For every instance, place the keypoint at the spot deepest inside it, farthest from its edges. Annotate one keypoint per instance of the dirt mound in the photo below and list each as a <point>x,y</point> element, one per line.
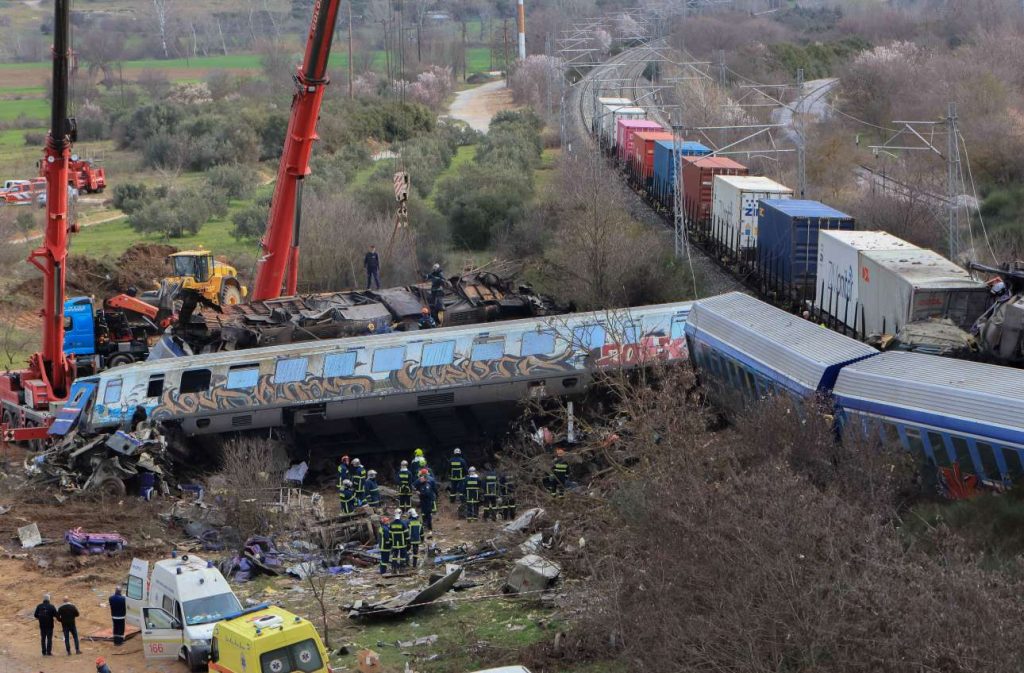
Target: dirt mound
<point>139,266</point>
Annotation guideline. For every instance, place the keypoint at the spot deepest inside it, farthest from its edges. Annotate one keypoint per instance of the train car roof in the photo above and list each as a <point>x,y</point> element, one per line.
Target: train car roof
<point>929,387</point>
<point>306,348</point>
<point>800,354</point>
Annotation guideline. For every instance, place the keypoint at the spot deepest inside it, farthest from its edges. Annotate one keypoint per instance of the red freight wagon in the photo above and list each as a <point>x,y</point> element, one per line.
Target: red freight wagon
<point>642,160</point>
<point>624,135</point>
<point>698,180</point>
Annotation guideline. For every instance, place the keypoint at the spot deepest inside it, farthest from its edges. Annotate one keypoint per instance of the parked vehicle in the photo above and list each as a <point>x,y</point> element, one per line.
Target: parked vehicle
<point>267,638</point>
<point>118,333</point>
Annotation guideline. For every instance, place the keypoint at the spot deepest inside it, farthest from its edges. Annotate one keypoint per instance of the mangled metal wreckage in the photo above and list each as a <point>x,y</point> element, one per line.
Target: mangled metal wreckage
<point>391,390</point>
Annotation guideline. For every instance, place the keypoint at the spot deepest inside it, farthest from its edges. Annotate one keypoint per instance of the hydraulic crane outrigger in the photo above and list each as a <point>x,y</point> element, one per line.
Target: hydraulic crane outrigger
<point>27,395</point>
<point>279,264</point>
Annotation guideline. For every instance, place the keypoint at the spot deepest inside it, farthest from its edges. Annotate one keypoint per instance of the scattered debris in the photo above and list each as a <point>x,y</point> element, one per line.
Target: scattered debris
<point>4,509</point>
<point>532,573</point>
<point>107,634</point>
<point>525,521</point>
<point>29,536</point>
<point>532,544</point>
<point>368,661</point>
<point>407,599</point>
<point>80,542</point>
<point>419,642</point>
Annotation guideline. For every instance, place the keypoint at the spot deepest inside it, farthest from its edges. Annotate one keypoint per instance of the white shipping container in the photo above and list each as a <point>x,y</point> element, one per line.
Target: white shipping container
<point>610,119</point>
<point>734,208</point>
<point>898,287</point>
<point>839,269</point>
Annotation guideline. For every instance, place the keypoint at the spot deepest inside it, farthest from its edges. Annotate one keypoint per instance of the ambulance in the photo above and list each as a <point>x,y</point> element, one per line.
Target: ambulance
<point>177,606</point>
<point>267,639</point>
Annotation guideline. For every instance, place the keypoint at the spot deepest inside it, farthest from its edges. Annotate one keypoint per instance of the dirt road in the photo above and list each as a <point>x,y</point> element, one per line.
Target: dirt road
<point>476,106</point>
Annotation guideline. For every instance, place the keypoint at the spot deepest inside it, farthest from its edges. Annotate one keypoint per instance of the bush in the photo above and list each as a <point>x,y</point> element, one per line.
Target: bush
<point>35,138</point>
<point>482,201</point>
<point>180,212</point>
<point>250,223</point>
<point>238,182</point>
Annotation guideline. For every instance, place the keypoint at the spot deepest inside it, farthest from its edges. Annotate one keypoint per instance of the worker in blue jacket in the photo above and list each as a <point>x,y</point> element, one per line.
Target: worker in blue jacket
<point>490,491</point>
<point>428,500</point>
<point>404,479</point>
<point>415,536</point>
<point>357,474</point>
<point>384,543</point>
<point>118,613</point>
<point>372,489</point>
<point>456,475</point>
<point>399,543</point>
<point>433,486</point>
<point>472,494</point>
<point>347,497</point>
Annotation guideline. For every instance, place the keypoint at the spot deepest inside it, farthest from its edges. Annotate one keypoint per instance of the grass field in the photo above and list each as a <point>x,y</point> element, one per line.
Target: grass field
<point>33,108</point>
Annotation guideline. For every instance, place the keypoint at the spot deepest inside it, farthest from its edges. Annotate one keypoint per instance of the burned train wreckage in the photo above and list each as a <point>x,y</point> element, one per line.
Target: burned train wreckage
<point>475,297</point>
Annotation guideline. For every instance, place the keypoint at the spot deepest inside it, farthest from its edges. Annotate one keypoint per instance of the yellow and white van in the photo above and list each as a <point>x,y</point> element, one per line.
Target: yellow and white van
<point>267,639</point>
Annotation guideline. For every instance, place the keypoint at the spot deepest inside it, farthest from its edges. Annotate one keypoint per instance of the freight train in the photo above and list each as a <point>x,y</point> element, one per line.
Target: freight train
<point>799,254</point>
<point>945,412</point>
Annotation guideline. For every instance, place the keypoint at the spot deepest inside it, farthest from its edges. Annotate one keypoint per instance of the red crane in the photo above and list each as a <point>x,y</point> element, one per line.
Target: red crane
<point>280,244</point>
<point>49,374</point>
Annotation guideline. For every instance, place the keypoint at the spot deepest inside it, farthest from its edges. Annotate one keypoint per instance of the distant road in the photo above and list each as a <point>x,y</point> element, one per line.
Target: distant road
<point>478,105</point>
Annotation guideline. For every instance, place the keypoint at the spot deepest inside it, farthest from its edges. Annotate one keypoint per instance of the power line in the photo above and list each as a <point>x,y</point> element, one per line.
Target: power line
<point>974,190</point>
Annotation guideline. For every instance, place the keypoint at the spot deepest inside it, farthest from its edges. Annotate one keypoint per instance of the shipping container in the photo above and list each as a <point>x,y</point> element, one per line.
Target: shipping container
<point>624,129</point>
<point>601,112</point>
<point>610,116</point>
<point>837,294</point>
<point>665,166</point>
<point>734,209</point>
<point>641,161</point>
<point>787,242</point>
<point>698,184</point>
<point>898,287</point>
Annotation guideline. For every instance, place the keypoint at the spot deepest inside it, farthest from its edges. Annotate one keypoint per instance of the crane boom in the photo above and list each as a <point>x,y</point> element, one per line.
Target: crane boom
<point>50,373</point>
<point>279,262</point>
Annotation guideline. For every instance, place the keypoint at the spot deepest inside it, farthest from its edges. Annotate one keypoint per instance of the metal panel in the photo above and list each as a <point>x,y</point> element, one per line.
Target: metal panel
<point>774,340</point>
<point>945,388</point>
<point>734,207</point>
<point>787,238</point>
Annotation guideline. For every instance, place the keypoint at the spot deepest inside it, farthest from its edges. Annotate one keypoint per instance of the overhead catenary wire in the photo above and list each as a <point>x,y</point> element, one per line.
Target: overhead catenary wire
<point>974,191</point>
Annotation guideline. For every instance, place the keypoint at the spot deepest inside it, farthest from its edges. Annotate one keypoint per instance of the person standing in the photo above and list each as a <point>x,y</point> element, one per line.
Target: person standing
<point>436,300</point>
<point>347,497</point>
<point>118,612</point>
<point>428,498</point>
<point>472,495</point>
<point>456,475</point>
<point>491,495</point>
<point>384,543</point>
<point>45,613</point>
<point>399,543</point>
<point>67,613</point>
<point>371,261</point>
<point>372,489</point>
<point>415,536</point>
<point>404,481</point>
<point>357,474</point>
<point>560,472</point>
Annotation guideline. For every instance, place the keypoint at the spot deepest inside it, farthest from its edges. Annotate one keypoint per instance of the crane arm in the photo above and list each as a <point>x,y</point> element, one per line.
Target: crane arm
<point>280,244</point>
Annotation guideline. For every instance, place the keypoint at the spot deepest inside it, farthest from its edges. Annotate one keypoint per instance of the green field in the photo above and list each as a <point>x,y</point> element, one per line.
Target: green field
<point>33,108</point>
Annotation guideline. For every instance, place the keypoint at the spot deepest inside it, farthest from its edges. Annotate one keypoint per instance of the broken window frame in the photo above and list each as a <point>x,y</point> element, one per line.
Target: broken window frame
<point>192,378</point>
<point>112,385</point>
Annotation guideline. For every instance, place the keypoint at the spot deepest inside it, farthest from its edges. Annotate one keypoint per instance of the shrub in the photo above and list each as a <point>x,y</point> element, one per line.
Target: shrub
<point>251,222</point>
<point>238,182</point>
<point>481,201</point>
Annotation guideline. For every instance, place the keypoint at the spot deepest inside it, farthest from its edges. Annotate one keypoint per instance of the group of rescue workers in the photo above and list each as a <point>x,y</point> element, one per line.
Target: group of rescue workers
<point>400,537</point>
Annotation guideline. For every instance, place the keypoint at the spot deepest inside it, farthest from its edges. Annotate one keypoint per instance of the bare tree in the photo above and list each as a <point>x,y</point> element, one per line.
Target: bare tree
<point>317,583</point>
<point>160,9</point>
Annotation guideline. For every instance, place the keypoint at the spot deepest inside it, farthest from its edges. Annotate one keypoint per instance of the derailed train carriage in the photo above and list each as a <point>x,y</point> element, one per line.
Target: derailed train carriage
<point>440,387</point>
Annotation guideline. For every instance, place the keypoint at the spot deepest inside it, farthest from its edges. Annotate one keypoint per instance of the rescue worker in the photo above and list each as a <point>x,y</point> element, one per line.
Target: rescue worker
<point>507,488</point>
<point>399,543</point>
<point>404,481</point>
<point>384,543</point>
<point>101,665</point>
<point>426,320</point>
<point>433,487</point>
<point>45,614</point>
<point>491,495</point>
<point>559,473</point>
<point>357,473</point>
<point>456,475</point>
<point>347,497</point>
<point>419,461</point>
<point>428,500</point>
<point>118,612</point>
<point>437,281</point>
<point>343,471</point>
<point>67,613</point>
<point>472,495</point>
<point>371,262</point>
<point>372,489</point>
<point>415,536</point>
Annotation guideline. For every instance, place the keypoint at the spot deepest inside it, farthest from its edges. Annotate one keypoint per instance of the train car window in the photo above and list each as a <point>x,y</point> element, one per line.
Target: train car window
<point>194,381</point>
<point>988,461</point>
<point>290,370</point>
<point>1014,463</point>
<point>912,440</point>
<point>388,359</point>
<point>537,343</point>
<point>156,386</point>
<point>340,364</point>
<point>438,354</point>
<point>490,349</point>
<point>112,393</point>
<point>963,454</point>
<point>243,377</point>
<point>631,333</point>
<point>678,329</point>
<point>588,337</point>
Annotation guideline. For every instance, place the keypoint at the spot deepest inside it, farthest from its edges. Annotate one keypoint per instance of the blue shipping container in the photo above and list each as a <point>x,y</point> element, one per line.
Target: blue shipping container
<point>665,167</point>
<point>787,240</point>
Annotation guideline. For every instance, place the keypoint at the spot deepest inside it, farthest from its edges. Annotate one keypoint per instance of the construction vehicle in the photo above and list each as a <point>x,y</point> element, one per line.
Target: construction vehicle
<point>275,638</point>
<point>85,176</point>
<point>118,333</point>
<point>279,263</point>
<point>22,192</point>
<point>197,271</point>
<point>31,397</point>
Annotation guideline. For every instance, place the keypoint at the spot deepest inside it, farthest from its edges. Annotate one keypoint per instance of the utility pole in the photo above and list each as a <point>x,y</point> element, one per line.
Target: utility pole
<point>952,180</point>
<point>721,68</point>
<point>678,219</point>
<point>521,16</point>
<point>350,94</point>
<point>801,146</point>
<point>504,32</point>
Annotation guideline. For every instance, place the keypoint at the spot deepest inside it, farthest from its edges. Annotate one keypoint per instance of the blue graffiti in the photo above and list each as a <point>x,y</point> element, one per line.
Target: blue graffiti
<point>840,281</point>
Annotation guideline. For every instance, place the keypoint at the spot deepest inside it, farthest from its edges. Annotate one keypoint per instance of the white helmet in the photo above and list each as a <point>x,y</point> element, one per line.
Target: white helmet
<point>347,482</point>
<point>412,513</point>
<point>998,287</point>
<point>405,463</point>
<point>458,451</point>
<point>472,471</point>
<point>398,513</point>
<point>355,462</point>
<point>371,474</point>
<point>437,266</point>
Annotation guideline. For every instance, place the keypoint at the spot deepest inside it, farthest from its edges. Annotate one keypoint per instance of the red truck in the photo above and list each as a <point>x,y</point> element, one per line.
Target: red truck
<point>85,176</point>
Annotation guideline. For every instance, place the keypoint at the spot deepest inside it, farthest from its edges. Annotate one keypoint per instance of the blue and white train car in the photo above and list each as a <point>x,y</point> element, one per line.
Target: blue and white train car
<point>754,348</point>
<point>311,384</point>
<point>950,411</point>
